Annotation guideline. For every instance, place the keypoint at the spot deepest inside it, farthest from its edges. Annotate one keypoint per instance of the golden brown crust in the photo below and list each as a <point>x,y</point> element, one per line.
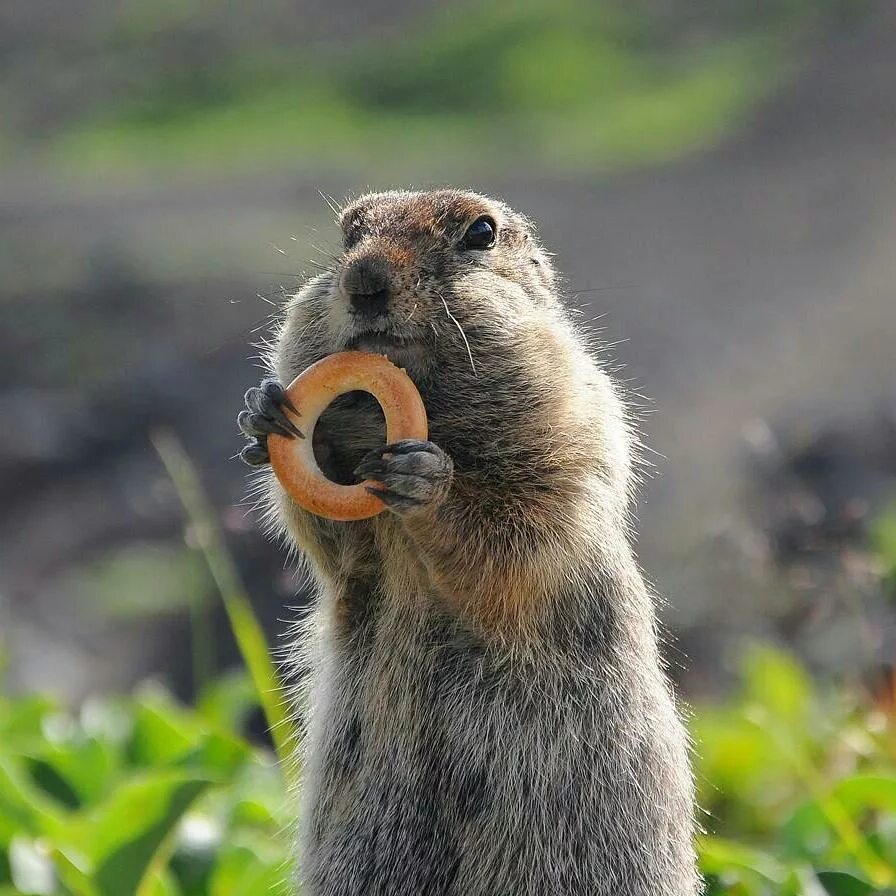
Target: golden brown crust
<point>311,392</point>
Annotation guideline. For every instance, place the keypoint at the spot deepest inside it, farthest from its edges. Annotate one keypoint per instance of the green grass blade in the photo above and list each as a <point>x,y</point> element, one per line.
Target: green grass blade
<point>246,628</point>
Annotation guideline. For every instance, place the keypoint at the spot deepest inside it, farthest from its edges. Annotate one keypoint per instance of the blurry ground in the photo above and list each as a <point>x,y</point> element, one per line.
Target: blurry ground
<point>750,292</point>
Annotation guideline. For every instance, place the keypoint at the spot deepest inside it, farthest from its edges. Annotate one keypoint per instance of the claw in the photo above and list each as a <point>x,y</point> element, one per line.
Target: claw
<point>246,421</point>
<point>368,469</point>
<point>255,454</point>
<point>265,406</point>
<point>263,416</point>
<point>410,458</point>
<point>278,395</point>
<point>257,425</point>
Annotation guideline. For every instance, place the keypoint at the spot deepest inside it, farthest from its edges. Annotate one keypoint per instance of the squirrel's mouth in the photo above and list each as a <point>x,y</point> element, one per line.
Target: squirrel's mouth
<point>400,349</point>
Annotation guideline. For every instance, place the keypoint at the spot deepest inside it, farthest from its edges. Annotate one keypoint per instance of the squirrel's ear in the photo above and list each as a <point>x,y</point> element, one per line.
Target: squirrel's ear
<point>353,213</point>
<point>348,215</point>
<point>351,220</point>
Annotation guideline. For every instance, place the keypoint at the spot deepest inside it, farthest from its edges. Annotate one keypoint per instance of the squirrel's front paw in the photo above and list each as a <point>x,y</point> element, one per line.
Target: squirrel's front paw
<point>264,415</point>
<point>413,474</point>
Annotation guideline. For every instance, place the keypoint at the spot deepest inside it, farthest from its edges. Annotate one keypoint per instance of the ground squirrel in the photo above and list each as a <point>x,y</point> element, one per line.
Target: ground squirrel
<point>486,708</point>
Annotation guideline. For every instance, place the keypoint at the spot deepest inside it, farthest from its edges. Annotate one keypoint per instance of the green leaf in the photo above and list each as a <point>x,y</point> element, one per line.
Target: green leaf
<point>219,754</point>
<point>259,796</point>
<point>70,866</point>
<point>808,830</point>
<point>256,814</point>
<point>839,883</point>
<point>248,868</point>
<point>163,733</point>
<point>79,772</point>
<point>166,734</point>
<point>718,855</point>
<point>807,833</point>
<point>123,838</point>
<point>777,682</point>
<point>23,808</point>
<point>227,701</point>
<point>861,792</point>
<point>53,784</point>
<point>161,883</point>
<point>730,748</point>
<point>22,721</point>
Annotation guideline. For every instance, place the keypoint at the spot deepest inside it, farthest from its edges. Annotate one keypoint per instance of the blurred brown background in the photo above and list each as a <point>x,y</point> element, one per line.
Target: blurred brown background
<point>719,186</point>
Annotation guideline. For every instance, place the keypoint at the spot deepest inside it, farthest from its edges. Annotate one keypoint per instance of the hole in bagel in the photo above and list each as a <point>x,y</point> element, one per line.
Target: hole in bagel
<point>352,426</point>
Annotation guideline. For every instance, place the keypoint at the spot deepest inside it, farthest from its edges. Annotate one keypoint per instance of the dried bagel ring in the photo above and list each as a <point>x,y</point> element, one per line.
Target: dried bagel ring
<point>311,392</point>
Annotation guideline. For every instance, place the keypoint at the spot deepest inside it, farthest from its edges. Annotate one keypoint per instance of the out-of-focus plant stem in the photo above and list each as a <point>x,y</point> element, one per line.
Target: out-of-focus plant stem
<point>246,628</point>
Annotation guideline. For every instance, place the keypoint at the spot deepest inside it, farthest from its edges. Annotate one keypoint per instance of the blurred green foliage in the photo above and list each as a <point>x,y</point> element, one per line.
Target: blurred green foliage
<point>885,542</point>
<point>143,579</point>
<point>142,795</point>
<point>570,84</point>
<point>139,796</point>
<point>798,780</point>
<point>798,777</point>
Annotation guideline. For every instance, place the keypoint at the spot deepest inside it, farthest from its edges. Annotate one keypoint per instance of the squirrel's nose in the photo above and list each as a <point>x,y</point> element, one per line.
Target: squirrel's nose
<point>366,284</point>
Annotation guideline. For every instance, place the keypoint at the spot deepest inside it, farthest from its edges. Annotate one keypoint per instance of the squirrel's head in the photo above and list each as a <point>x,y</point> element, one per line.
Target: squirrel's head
<point>424,277</point>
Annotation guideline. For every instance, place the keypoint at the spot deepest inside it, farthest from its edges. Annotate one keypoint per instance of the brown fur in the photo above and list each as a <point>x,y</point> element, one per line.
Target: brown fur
<point>487,711</point>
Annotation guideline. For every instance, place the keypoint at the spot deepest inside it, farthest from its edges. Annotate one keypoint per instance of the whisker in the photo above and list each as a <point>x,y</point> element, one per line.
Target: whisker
<point>461,330</point>
<point>255,326</point>
<point>327,253</point>
<point>331,203</point>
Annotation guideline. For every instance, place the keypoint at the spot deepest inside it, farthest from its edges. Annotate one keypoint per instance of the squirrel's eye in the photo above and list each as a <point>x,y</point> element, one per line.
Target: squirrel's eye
<point>480,234</point>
